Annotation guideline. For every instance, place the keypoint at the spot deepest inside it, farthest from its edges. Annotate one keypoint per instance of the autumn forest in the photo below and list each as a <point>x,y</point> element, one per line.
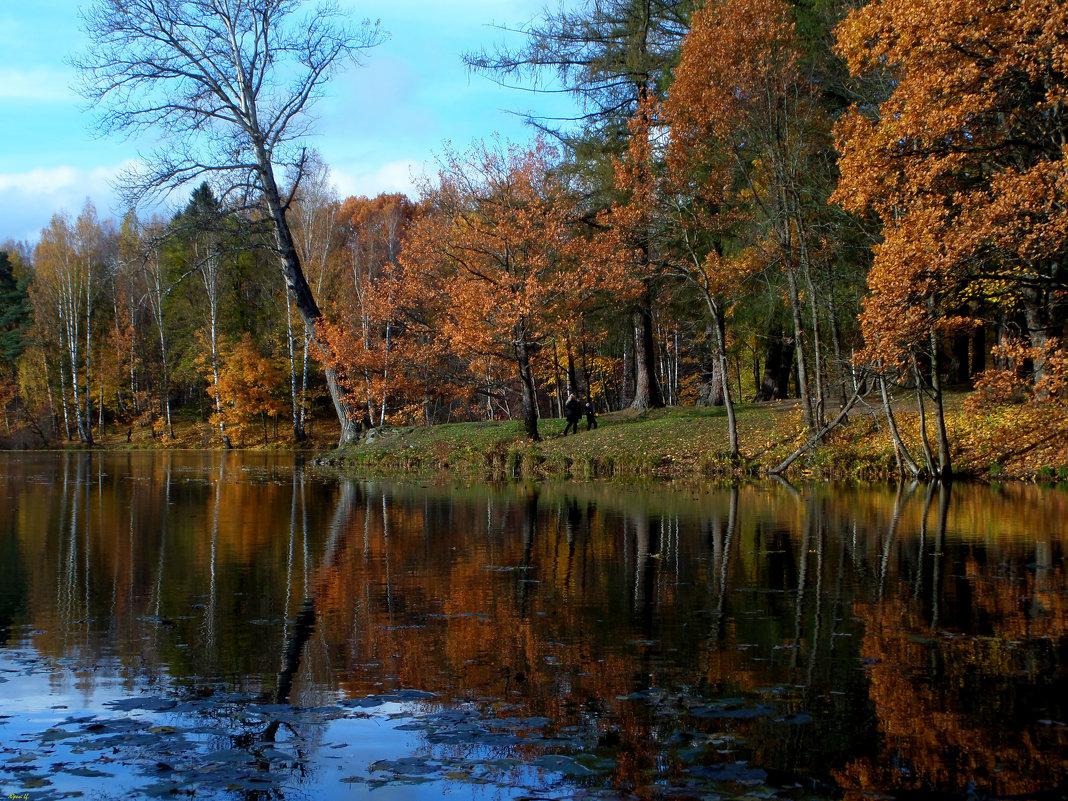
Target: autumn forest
<point>816,200</point>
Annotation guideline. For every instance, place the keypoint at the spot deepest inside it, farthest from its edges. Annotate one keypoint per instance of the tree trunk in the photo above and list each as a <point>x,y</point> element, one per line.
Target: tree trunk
<point>212,310</point>
<point>721,358</point>
<point>778,360</point>
<point>977,355</point>
<point>300,291</point>
<point>799,349</point>
<point>925,441</point>
<point>1037,330</point>
<point>89,361</point>
<point>385,371</point>
<point>647,394</point>
<point>526,381</point>
<point>298,430</point>
<point>901,453</point>
<point>572,376</point>
<point>820,404</point>
<point>945,467</point>
<point>710,392</point>
<point>559,383</point>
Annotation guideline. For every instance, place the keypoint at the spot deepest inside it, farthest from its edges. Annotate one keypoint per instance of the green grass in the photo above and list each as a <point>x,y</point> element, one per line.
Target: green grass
<point>679,441</point>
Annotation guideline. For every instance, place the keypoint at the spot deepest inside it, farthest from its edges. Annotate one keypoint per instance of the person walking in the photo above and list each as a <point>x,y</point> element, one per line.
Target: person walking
<point>591,415</point>
<point>574,413</point>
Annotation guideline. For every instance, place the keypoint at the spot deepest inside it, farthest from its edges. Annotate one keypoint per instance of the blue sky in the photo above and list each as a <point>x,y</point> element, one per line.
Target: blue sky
<point>379,125</point>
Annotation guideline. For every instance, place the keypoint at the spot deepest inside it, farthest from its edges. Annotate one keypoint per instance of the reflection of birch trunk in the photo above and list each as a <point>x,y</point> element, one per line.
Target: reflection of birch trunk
<point>157,590</point>
<point>817,622</point>
<point>209,613</point>
<point>304,624</point>
<point>305,557</point>
<point>944,491</point>
<point>87,461</point>
<point>385,548</point>
<point>891,531</point>
<point>836,606</point>
<point>923,540</point>
<point>289,554</point>
<point>64,578</point>
<point>530,529</point>
<point>802,581</point>
<point>641,555</point>
<point>721,555</point>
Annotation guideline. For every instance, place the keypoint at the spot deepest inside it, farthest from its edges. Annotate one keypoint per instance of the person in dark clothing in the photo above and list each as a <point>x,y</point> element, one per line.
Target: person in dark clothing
<point>591,415</point>
<point>573,414</point>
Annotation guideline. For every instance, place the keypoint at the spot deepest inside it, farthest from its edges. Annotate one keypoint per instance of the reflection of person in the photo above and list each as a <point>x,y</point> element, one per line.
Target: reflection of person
<point>573,415</point>
<point>591,416</point>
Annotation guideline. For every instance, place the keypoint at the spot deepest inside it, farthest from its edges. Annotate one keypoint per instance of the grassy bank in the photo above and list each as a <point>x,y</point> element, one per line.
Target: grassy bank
<point>689,442</point>
<point>1018,441</point>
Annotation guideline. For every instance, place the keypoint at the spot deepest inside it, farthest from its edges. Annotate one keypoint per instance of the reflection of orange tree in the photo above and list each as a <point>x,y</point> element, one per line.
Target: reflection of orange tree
<point>941,725</point>
<point>523,619</point>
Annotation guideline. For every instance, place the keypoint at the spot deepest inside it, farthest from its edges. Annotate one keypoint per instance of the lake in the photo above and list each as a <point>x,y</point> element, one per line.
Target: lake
<point>247,626</point>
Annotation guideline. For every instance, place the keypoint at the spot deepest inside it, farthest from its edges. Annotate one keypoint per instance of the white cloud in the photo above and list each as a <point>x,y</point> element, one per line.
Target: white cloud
<point>43,85</point>
<point>354,180</point>
<point>29,199</point>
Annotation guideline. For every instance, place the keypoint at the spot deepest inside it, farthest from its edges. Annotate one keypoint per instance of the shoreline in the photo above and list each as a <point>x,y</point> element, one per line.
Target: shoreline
<point>669,444</point>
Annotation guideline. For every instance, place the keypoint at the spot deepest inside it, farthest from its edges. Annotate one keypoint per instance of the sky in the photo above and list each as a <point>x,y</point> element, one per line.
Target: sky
<point>380,127</point>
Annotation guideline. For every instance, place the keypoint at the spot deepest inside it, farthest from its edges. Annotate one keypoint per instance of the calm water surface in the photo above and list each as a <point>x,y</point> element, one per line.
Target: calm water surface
<point>240,626</point>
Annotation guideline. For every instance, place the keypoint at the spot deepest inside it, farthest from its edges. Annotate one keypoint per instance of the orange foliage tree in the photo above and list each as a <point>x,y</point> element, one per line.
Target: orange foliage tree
<point>247,387</point>
<point>498,243</point>
<point>745,135</point>
<point>964,163</point>
<point>364,325</point>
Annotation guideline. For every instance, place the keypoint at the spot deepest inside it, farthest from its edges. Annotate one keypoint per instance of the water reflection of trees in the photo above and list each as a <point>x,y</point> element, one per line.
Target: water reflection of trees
<point>904,638</point>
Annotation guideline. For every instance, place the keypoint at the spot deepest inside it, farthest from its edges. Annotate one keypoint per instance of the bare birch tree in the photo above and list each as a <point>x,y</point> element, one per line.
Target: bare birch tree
<point>230,83</point>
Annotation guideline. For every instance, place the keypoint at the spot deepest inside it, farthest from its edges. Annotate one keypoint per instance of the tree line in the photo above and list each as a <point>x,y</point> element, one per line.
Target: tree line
<point>757,199</point>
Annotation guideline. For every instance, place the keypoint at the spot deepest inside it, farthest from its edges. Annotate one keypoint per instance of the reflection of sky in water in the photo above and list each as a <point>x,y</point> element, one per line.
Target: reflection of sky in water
<point>104,743</point>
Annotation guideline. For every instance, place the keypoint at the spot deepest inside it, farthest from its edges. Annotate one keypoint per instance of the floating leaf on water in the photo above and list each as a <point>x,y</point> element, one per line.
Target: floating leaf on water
<point>161,790</point>
<point>52,735</point>
<point>413,695</point>
<point>363,703</point>
<point>738,772</point>
<point>151,703</point>
<point>88,773</point>
<point>562,764</point>
<point>407,766</point>
<point>730,711</point>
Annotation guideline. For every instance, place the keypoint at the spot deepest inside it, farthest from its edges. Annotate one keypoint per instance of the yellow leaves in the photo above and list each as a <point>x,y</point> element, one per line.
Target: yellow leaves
<point>247,387</point>
<point>722,274</point>
<point>962,163</point>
